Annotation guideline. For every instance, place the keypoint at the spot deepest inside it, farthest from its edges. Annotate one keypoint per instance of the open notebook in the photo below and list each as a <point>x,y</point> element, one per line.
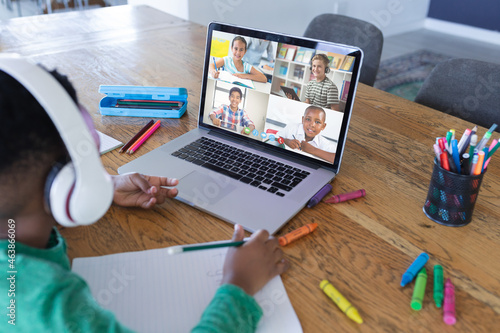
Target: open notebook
<point>152,291</point>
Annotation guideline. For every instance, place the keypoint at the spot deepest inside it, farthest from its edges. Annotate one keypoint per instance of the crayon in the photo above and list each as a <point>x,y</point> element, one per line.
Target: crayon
<point>297,233</point>
<point>419,290</point>
<point>340,301</point>
<point>438,285</point>
<point>414,268</point>
<point>319,195</point>
<point>449,303</point>
<point>346,196</point>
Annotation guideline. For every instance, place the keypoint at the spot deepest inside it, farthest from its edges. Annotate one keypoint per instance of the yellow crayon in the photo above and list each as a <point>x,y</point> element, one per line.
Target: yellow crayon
<point>341,301</point>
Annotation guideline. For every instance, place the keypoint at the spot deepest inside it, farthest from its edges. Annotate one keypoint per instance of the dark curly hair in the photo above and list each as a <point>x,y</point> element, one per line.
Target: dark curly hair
<point>26,130</point>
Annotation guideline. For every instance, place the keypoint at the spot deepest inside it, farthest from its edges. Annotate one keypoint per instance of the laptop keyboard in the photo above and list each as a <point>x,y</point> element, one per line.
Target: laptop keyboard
<point>253,169</point>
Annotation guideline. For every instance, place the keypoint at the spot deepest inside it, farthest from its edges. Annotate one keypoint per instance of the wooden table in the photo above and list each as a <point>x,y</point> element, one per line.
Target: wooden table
<point>362,246</point>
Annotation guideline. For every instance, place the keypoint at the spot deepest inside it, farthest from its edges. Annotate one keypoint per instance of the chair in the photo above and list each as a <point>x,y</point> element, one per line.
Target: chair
<point>350,31</point>
<point>465,88</point>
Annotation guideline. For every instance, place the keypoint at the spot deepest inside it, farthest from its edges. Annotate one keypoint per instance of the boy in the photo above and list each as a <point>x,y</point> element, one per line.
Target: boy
<point>48,297</point>
<point>322,91</point>
<point>230,116</point>
<point>305,136</point>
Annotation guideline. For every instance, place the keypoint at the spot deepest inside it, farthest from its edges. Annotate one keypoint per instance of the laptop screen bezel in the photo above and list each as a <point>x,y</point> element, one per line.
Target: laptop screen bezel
<point>287,39</point>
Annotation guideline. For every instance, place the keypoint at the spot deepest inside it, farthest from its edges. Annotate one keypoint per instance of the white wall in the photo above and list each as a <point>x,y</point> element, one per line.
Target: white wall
<point>292,16</point>
<point>177,8</point>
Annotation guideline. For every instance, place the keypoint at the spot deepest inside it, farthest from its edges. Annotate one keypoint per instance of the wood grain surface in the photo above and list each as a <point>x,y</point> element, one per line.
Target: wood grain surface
<point>362,246</point>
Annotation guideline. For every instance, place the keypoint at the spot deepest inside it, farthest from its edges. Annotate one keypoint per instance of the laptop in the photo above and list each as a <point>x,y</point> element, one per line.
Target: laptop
<point>257,157</point>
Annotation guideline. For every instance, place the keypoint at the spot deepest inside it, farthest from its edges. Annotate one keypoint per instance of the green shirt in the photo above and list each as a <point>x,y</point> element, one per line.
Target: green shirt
<point>39,293</point>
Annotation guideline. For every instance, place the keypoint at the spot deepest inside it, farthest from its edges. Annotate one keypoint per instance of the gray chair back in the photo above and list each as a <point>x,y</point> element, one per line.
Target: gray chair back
<point>350,31</point>
<point>465,88</point>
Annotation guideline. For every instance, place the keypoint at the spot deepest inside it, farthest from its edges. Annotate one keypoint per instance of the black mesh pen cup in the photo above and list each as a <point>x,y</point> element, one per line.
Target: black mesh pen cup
<point>451,197</point>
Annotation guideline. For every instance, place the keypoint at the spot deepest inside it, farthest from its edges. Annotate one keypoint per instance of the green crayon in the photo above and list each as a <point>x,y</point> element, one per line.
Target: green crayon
<point>419,290</point>
<point>438,285</point>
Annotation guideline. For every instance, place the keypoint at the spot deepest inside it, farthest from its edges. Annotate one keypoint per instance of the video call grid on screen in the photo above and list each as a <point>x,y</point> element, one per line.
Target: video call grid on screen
<point>285,61</point>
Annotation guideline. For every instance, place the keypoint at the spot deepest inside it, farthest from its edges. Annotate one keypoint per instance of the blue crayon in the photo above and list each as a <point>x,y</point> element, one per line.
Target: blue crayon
<point>414,268</point>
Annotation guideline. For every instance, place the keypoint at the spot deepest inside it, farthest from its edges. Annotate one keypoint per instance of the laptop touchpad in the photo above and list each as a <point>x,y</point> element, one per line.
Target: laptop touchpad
<point>203,190</point>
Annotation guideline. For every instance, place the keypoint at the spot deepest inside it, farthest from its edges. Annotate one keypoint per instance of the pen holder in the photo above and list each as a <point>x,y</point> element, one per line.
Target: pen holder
<point>451,197</point>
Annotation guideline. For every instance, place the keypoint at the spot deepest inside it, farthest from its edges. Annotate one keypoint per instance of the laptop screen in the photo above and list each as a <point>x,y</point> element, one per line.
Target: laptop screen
<point>291,94</point>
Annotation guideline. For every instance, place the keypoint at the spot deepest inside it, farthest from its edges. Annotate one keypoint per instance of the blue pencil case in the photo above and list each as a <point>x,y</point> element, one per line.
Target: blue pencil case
<point>138,101</point>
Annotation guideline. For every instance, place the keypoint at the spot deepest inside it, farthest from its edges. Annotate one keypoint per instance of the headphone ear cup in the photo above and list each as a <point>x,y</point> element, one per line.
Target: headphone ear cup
<point>327,70</point>
<point>58,189</point>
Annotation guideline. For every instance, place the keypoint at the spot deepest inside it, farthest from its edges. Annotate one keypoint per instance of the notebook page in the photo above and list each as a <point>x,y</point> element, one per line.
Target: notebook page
<point>152,291</point>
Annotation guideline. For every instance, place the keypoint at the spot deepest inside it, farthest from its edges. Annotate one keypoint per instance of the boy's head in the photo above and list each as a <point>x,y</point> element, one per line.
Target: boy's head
<point>320,64</point>
<point>238,47</point>
<point>29,142</point>
<point>313,121</point>
<point>235,96</point>
<point>36,106</point>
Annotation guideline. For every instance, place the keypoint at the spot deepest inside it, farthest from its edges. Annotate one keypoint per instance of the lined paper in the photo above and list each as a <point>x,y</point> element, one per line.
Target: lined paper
<point>152,291</point>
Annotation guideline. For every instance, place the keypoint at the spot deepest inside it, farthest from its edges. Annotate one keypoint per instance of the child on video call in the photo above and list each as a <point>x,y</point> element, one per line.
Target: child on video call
<point>231,115</point>
<point>235,65</point>
<point>322,91</point>
<point>49,297</point>
<point>305,136</point>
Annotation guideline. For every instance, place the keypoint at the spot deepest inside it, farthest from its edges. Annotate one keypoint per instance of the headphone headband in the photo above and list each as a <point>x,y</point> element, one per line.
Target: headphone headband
<point>325,58</point>
<point>92,191</point>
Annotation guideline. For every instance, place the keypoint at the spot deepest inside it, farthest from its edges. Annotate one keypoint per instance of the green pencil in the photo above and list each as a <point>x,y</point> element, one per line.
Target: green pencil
<point>180,248</point>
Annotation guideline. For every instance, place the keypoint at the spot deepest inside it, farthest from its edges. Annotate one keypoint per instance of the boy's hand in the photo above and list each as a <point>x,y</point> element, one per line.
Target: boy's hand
<point>216,121</point>
<point>215,74</point>
<point>306,147</point>
<point>253,264</point>
<point>293,143</point>
<point>136,190</point>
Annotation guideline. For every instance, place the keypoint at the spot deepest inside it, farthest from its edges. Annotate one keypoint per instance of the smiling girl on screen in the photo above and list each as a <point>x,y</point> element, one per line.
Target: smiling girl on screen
<point>235,65</point>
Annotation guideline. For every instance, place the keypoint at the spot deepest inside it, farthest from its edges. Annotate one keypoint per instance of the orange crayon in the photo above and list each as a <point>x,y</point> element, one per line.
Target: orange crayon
<point>297,233</point>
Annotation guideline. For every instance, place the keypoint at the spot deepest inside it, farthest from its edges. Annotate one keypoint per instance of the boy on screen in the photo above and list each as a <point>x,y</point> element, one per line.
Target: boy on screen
<point>230,116</point>
<point>305,136</point>
<point>322,91</point>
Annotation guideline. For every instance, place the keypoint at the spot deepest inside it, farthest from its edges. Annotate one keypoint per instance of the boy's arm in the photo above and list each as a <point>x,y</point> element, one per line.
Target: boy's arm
<point>211,66</point>
<point>335,107</point>
<point>308,148</point>
<point>292,143</point>
<point>332,97</point>
<point>231,310</point>
<point>214,116</point>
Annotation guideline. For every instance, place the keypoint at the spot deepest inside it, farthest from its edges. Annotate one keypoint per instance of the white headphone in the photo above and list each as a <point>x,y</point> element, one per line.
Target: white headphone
<point>81,191</point>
